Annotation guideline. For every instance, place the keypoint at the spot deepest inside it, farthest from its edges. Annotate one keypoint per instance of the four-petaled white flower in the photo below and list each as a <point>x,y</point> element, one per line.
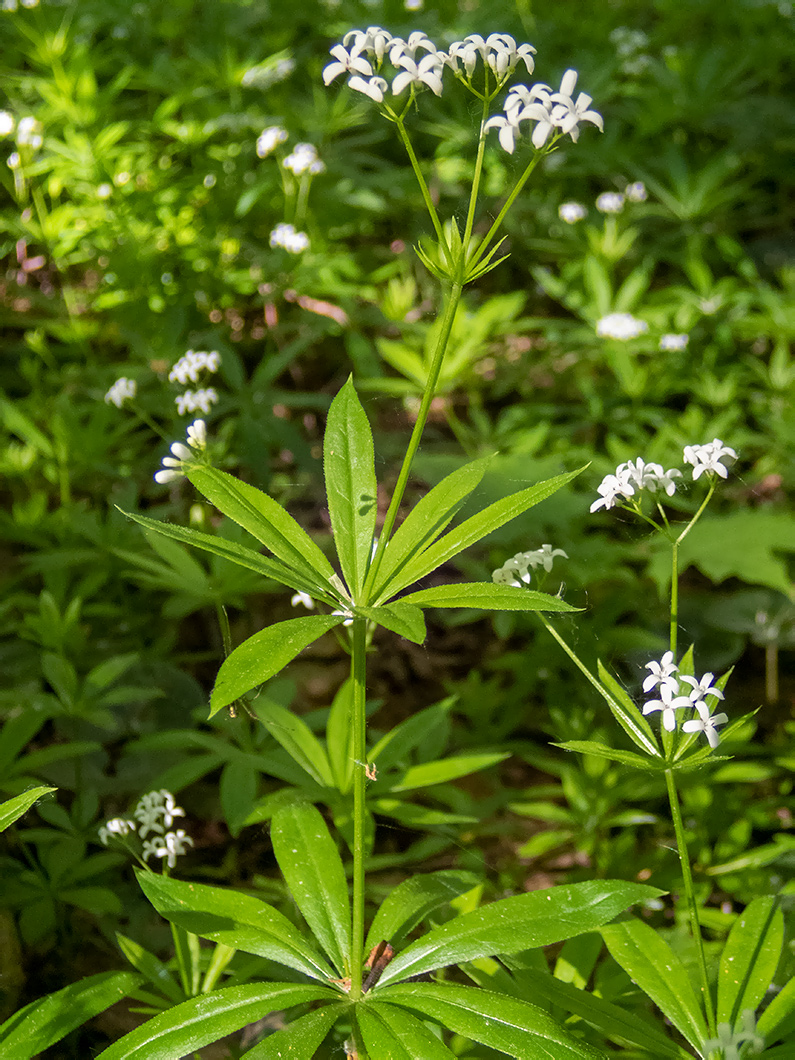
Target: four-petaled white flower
<point>668,704</point>
<point>649,476</point>
<point>610,202</point>
<point>706,723</point>
<point>427,72</point>
<point>169,846</point>
<point>350,62</point>
<point>173,465</point>
<point>568,112</point>
<point>122,390</point>
<point>708,457</point>
<point>621,326</point>
<point>398,48</point>
<point>516,570</point>
<point>701,688</point>
<point>116,826</point>
<point>374,88</point>
<point>610,489</point>
<point>662,672</point>
<point>571,212</point>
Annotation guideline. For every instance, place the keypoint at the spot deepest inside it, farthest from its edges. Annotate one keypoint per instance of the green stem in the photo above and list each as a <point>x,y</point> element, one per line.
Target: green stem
<point>486,243</point>
<point>453,298</point>
<point>687,877</point>
<point>473,195</point>
<point>674,596</point>
<point>415,165</point>
<point>359,677</point>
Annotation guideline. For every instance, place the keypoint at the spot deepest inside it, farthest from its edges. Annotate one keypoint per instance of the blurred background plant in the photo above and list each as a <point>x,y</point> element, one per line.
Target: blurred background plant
<point>150,157</point>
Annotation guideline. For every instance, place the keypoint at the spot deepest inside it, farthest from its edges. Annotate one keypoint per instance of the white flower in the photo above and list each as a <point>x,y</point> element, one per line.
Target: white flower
<point>701,689</point>
<point>6,123</point>
<point>196,400</point>
<point>398,48</point>
<point>14,161</point>
<point>269,139</point>
<point>375,41</point>
<point>169,846</point>
<point>674,342</point>
<point>544,556</point>
<point>286,236</point>
<point>154,805</point>
<point>351,62</point>
<point>104,191</point>
<point>610,202</point>
<point>649,476</point>
<point>29,133</point>
<point>498,51</point>
<point>122,390</point>
<point>348,616</point>
<point>611,488</point>
<point>303,598</point>
<point>427,72</point>
<point>568,113</point>
<point>173,469</point>
<point>621,326</point>
<point>413,5</point>
<point>304,159</point>
<point>116,826</point>
<point>636,192</point>
<point>170,808</point>
<point>571,212</point>
<point>509,129</point>
<point>668,703</point>
<point>707,457</point>
<point>662,672</point>
<point>706,724</point>
<point>188,367</point>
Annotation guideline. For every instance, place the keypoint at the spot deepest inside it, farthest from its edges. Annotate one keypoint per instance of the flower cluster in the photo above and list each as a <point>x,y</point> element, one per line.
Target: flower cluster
<point>173,466</point>
<point>155,813</point>
<point>674,342</point>
<point>196,401</point>
<point>638,475</point>
<point>269,139</point>
<point>571,212</point>
<point>122,390</point>
<point>631,476</point>
<point>665,677</point>
<point>188,368</point>
<point>286,236</point>
<point>516,570</point>
<point>418,63</point>
<point>622,326</point>
<point>549,110</point>
<point>304,159</point>
<point>29,133</point>
<point>6,123</point>
<point>610,202</point>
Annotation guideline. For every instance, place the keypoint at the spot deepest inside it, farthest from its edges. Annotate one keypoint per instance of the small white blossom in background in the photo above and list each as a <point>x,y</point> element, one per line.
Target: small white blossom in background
<point>172,465</point>
<point>621,326</point>
<point>29,133</point>
<point>188,367</point>
<point>414,5</point>
<point>14,161</point>
<point>169,846</point>
<point>631,476</point>
<point>302,598</point>
<point>516,570</point>
<point>304,159</point>
<point>116,826</point>
<point>196,401</point>
<point>571,212</point>
<point>152,807</point>
<point>6,123</point>
<point>636,192</point>
<point>674,342</point>
<point>665,674</point>
<point>708,457</point>
<point>610,202</point>
<point>122,390</point>
<point>269,139</point>
<point>286,236</point>
<point>104,191</point>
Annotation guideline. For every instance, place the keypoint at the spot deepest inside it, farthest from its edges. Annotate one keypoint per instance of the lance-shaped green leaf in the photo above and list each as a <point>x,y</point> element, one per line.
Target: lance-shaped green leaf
<point>351,488</point>
<point>414,899</point>
<point>301,1038</point>
<point>195,1023</point>
<point>613,754</point>
<point>295,736</point>
<point>262,656</point>
<point>400,617</point>
<point>239,554</point>
<point>477,527</point>
<point>389,1031</point>
<point>503,1023</point>
<point>47,1020</point>
<point>266,520</point>
<point>429,517</point>
<point>778,1019</point>
<point>626,713</point>
<point>339,737</point>
<point>652,964</point>
<point>393,747</point>
<point>614,1022</point>
<point>234,919</point>
<point>522,922</point>
<point>12,809</point>
<point>488,597</point>
<point>148,965</point>
<point>443,770</point>
<point>313,870</point>
<point>749,959</point>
